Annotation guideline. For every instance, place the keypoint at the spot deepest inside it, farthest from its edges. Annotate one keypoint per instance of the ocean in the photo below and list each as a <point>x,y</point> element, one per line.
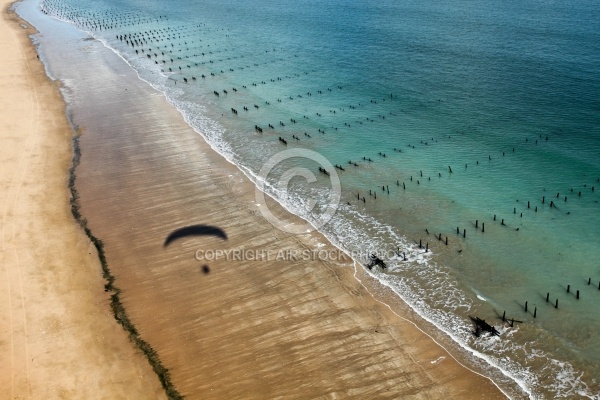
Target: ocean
<point>465,137</point>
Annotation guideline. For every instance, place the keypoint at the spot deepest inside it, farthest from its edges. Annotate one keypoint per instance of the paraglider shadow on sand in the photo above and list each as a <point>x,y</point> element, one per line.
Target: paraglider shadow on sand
<point>195,230</point>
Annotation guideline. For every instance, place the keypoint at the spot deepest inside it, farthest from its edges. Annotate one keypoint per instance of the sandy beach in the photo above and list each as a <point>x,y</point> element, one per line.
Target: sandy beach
<point>58,338</point>
<point>267,328</point>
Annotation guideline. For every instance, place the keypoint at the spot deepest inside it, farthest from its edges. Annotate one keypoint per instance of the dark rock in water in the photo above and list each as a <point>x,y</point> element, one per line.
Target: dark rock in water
<point>376,261</point>
<point>482,326</point>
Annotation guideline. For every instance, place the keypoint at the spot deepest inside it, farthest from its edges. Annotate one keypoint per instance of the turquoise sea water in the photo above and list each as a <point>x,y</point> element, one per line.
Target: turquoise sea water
<point>507,96</point>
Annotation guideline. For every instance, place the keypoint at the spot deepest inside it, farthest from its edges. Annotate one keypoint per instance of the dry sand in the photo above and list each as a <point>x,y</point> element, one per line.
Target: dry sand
<point>58,338</point>
<point>247,329</point>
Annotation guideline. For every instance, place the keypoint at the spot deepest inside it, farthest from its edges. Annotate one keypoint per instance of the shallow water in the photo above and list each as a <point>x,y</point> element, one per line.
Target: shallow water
<point>504,96</point>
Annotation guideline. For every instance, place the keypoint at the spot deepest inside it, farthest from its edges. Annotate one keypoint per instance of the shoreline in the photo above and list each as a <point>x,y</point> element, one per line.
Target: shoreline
<point>224,170</point>
<point>59,339</point>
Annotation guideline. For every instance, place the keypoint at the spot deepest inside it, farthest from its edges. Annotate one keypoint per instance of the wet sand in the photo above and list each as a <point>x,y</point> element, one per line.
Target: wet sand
<point>58,338</point>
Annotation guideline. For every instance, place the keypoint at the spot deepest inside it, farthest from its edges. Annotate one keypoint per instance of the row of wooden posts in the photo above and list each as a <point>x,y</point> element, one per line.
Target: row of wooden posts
<point>525,307</point>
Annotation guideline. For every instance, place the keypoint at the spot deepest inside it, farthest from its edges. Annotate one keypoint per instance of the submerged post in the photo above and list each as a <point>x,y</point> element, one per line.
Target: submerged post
<point>525,306</point>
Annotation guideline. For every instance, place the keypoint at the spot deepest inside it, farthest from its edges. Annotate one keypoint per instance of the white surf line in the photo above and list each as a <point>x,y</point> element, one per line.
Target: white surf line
<point>481,356</point>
